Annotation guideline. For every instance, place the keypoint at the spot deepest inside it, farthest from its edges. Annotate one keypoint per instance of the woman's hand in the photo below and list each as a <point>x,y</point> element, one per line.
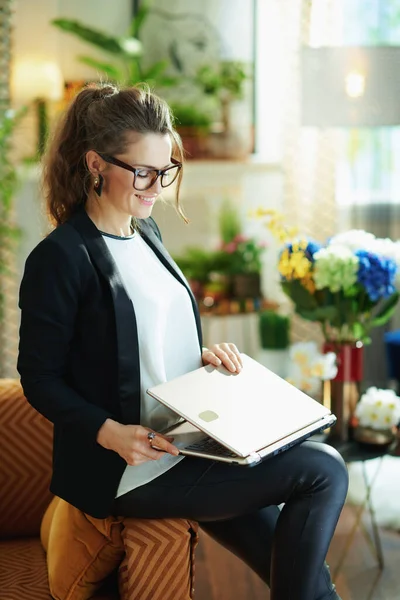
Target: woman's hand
<point>132,444</point>
<point>223,354</point>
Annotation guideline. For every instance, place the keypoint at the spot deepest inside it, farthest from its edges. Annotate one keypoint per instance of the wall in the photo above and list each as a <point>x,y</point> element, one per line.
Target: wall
<point>206,184</point>
<point>33,33</point>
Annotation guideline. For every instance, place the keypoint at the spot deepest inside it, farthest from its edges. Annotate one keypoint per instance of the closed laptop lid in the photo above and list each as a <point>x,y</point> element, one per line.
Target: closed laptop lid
<point>246,411</point>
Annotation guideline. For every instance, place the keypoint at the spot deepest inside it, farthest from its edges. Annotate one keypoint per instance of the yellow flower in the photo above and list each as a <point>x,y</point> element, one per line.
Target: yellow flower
<point>275,223</point>
<point>308,283</point>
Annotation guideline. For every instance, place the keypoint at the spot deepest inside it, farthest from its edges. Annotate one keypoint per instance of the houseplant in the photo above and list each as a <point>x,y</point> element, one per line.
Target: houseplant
<point>193,125</point>
<point>239,256</point>
<point>224,83</point>
<point>9,232</point>
<point>125,64</point>
<point>274,334</point>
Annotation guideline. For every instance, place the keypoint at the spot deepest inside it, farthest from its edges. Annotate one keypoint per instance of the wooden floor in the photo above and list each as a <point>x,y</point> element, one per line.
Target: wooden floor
<point>221,576</point>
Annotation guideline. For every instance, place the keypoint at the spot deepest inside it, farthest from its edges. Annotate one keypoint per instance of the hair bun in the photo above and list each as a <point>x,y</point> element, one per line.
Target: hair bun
<point>100,91</point>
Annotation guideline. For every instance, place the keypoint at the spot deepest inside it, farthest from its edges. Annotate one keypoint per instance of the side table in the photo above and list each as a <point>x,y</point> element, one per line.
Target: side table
<point>353,451</point>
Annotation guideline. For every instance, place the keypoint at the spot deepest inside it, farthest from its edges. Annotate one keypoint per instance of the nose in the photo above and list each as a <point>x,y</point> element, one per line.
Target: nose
<point>156,187</point>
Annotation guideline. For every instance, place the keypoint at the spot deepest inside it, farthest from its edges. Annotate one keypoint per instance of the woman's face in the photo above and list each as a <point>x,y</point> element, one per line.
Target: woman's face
<point>144,151</point>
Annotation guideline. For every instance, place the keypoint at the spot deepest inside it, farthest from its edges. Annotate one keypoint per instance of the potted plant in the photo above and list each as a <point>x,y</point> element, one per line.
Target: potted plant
<point>239,256</point>
<point>274,333</point>
<point>196,264</point>
<point>224,82</point>
<point>193,125</point>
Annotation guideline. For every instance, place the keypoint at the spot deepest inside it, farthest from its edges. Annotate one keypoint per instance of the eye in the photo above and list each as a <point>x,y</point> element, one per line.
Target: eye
<point>143,173</point>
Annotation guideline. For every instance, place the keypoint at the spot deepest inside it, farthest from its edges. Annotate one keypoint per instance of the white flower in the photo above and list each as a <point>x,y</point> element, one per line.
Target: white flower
<point>354,239</point>
<point>308,367</point>
<point>303,353</point>
<point>324,366</point>
<point>378,409</point>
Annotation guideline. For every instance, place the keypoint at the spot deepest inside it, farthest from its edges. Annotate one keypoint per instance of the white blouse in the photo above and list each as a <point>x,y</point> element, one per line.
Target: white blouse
<point>167,335</point>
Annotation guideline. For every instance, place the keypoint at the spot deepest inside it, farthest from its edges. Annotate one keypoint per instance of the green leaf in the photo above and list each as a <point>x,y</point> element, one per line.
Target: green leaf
<point>320,314</point>
<point>359,331</point>
<point>139,19</point>
<point>127,46</point>
<point>302,298</point>
<point>155,70</point>
<point>110,70</point>
<point>385,312</point>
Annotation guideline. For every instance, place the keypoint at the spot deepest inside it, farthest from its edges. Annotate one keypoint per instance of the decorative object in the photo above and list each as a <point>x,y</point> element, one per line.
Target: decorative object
<point>348,285</point>
<point>307,367</point>
<point>378,415</point>
<point>342,393</point>
<point>274,331</point>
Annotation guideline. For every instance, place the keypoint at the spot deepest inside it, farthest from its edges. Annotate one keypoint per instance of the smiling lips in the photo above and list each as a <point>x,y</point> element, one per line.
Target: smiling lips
<point>147,200</point>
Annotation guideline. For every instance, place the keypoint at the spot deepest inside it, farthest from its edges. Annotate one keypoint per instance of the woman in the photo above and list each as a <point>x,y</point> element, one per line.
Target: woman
<point>106,313</point>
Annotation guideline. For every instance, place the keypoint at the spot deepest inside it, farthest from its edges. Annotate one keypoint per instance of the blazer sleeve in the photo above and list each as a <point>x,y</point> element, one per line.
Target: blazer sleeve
<point>49,298</point>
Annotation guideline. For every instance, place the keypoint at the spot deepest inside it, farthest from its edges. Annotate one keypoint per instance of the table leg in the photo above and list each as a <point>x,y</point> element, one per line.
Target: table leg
<point>376,546</point>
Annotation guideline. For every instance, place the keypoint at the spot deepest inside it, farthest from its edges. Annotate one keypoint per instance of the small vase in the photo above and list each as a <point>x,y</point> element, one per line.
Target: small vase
<point>344,388</point>
<point>376,437</point>
<point>246,285</point>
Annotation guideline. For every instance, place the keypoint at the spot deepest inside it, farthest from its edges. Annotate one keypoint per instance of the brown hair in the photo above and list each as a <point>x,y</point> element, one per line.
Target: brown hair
<point>99,118</point>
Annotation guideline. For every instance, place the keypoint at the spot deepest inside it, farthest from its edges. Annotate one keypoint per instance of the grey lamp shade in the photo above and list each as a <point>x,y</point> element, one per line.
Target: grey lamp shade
<point>350,86</point>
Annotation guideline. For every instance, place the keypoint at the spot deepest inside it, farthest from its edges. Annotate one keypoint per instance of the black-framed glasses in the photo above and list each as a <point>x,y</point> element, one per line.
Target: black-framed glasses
<point>144,178</point>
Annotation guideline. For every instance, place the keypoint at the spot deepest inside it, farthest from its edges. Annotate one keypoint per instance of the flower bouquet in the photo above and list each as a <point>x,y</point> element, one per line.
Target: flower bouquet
<point>348,284</point>
<point>377,414</point>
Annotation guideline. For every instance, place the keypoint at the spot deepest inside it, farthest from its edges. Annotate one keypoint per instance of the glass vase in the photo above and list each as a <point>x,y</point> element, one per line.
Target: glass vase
<point>344,390</point>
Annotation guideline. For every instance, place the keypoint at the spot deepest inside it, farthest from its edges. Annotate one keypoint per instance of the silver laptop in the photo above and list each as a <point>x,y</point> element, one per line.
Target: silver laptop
<point>240,418</point>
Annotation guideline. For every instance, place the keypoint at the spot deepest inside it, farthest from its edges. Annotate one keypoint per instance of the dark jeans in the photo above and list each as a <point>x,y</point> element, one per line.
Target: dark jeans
<point>237,506</point>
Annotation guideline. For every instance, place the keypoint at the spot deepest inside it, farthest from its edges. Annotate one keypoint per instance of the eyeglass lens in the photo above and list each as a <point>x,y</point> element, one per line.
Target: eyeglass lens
<point>145,178</point>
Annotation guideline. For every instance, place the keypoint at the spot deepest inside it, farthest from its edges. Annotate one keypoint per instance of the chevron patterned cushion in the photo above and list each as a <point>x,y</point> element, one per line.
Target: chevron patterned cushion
<point>159,559</point>
<point>23,573</point>
<point>81,551</point>
<point>25,465</point>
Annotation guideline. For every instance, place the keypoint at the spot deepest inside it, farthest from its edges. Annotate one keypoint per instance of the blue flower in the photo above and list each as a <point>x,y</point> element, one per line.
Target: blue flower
<point>311,248</point>
<point>376,274</point>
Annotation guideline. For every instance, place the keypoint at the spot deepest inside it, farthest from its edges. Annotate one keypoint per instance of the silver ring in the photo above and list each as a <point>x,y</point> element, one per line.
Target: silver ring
<point>150,436</point>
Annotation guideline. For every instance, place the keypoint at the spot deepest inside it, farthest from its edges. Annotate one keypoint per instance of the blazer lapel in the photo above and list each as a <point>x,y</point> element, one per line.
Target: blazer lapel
<point>125,319</point>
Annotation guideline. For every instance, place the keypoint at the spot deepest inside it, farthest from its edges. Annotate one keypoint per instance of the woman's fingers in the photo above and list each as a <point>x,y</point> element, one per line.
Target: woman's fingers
<point>211,358</point>
<point>160,443</point>
<point>228,355</point>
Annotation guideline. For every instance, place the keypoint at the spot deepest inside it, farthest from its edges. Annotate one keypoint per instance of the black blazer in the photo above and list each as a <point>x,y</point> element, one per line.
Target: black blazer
<point>79,356</point>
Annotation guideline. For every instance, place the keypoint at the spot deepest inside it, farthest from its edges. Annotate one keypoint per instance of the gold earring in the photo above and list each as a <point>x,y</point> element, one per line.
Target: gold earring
<point>96,182</point>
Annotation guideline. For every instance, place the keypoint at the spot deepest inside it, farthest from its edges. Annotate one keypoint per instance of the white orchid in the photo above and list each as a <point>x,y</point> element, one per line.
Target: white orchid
<point>378,409</point>
<point>308,367</point>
